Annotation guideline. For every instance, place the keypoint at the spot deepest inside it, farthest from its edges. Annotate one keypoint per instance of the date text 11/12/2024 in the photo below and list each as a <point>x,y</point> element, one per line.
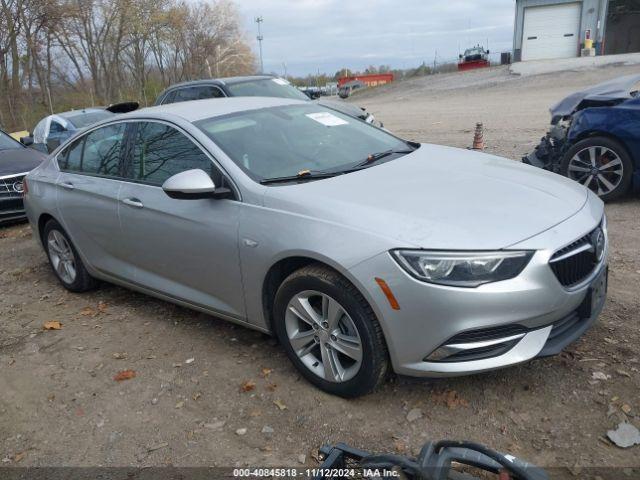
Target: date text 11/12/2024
<point>314,473</point>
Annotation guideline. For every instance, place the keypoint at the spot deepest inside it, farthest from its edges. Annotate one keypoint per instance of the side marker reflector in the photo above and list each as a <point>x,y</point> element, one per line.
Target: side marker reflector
<point>388,293</point>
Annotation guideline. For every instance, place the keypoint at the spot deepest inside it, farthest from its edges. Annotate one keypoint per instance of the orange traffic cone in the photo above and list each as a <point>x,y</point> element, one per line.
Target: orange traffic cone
<point>478,137</point>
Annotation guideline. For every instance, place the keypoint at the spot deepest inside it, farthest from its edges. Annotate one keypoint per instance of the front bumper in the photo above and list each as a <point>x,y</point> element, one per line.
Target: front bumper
<point>519,319</point>
<point>11,209</point>
<point>549,152</point>
<point>11,203</point>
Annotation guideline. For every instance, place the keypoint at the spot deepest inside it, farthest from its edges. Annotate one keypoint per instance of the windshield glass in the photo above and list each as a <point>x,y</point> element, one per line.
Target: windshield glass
<point>283,141</point>
<point>266,87</point>
<point>84,119</point>
<point>8,143</point>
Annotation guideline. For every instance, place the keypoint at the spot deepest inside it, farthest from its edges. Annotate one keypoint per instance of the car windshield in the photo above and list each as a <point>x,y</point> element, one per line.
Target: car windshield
<point>8,143</point>
<point>84,119</point>
<point>283,141</point>
<point>266,87</point>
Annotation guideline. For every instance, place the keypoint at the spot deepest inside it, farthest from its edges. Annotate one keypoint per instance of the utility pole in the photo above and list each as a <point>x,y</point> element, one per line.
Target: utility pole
<point>259,20</point>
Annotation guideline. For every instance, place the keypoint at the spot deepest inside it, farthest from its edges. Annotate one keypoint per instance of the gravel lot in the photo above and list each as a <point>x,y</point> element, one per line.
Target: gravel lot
<point>60,405</point>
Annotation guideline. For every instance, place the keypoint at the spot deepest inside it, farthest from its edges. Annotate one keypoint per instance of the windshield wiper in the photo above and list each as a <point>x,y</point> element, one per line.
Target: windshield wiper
<point>374,157</point>
<point>305,175</point>
<point>301,176</point>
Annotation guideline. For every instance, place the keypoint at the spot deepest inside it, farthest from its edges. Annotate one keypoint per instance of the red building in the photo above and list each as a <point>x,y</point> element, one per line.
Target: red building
<point>370,80</point>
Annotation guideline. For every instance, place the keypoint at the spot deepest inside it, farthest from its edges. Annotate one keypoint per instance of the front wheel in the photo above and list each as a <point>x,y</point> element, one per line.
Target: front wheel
<point>600,164</point>
<point>330,332</point>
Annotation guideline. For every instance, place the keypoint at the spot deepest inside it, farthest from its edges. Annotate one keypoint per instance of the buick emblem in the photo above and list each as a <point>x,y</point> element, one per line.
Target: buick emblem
<point>18,187</point>
<point>597,240</point>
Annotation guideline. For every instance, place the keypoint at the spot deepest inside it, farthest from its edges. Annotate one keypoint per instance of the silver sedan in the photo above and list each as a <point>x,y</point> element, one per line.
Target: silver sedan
<point>362,252</point>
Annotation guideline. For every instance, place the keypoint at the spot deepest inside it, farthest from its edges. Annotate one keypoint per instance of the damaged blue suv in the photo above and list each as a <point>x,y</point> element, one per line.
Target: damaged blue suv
<point>595,138</point>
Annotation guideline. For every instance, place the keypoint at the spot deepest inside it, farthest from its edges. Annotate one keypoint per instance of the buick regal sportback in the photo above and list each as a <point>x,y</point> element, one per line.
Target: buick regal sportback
<point>360,251</point>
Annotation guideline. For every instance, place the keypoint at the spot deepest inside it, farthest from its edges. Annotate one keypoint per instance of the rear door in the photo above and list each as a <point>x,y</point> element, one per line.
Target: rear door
<point>187,249</point>
<point>87,195</point>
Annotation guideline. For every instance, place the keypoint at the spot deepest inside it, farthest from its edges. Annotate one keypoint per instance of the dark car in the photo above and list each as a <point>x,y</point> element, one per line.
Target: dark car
<point>595,138</point>
<point>348,88</point>
<point>15,162</point>
<point>252,86</point>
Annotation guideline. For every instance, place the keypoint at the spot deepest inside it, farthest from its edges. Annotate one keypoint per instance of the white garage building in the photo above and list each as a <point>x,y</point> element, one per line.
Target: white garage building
<point>558,28</point>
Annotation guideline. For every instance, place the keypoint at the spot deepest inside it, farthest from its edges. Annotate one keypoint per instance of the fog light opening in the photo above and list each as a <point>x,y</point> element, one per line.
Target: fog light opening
<point>474,350</point>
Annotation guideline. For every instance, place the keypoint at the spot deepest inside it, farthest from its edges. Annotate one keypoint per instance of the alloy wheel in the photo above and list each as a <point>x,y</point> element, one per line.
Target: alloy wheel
<point>597,168</point>
<point>323,336</point>
<point>62,257</point>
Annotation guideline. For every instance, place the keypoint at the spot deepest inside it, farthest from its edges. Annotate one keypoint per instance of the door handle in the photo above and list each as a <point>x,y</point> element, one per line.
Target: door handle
<point>133,202</point>
<point>67,185</point>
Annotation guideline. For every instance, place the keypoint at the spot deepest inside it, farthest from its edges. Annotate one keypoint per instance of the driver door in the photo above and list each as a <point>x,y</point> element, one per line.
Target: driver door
<point>187,249</point>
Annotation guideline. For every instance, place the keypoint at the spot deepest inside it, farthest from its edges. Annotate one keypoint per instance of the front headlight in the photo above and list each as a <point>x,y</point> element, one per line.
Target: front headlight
<point>462,269</point>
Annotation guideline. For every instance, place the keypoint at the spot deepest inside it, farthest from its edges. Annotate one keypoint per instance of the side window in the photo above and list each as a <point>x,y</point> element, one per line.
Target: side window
<point>70,159</point>
<point>102,147</point>
<point>196,93</point>
<point>208,91</point>
<point>169,97</point>
<point>160,151</point>
<point>55,127</point>
<point>97,153</point>
<point>185,94</point>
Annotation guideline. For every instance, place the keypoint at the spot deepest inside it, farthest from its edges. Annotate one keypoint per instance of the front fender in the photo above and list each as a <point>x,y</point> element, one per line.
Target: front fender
<point>621,124</point>
<point>268,235</point>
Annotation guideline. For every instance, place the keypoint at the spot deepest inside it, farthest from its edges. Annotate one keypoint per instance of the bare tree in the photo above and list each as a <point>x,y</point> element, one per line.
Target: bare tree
<point>60,54</point>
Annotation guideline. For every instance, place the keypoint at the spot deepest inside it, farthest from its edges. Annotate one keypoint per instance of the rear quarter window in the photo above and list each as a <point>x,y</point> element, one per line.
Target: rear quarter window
<point>97,153</point>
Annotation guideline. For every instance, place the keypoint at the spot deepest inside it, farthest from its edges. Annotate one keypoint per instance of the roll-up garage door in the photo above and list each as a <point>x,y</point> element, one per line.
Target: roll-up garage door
<point>551,31</point>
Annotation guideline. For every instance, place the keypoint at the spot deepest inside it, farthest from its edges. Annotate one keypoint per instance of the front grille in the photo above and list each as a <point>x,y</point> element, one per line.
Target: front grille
<point>11,186</point>
<point>572,268</point>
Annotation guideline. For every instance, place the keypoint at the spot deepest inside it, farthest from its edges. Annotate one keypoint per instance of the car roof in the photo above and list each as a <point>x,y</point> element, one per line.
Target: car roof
<point>80,111</point>
<point>195,110</point>
<point>219,81</point>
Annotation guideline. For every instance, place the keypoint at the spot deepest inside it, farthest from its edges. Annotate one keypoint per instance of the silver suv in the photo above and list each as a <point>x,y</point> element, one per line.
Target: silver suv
<point>360,251</point>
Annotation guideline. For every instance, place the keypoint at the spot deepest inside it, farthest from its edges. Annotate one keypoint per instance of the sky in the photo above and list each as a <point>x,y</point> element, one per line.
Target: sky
<point>328,35</point>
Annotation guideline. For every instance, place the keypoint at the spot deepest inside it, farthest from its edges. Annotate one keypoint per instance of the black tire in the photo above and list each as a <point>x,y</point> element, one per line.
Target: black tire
<point>82,281</point>
<point>612,145</point>
<point>375,359</point>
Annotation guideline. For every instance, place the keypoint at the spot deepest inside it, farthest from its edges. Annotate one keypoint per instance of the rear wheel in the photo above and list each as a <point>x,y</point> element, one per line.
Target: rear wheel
<point>64,259</point>
<point>600,164</point>
<point>330,332</point>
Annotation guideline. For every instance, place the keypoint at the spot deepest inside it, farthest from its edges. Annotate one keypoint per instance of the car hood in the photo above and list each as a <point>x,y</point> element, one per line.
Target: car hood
<point>344,107</point>
<point>441,198</point>
<point>19,160</point>
<point>618,88</point>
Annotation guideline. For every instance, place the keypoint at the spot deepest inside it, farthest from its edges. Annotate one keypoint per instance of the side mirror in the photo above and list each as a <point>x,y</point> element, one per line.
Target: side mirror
<point>192,185</point>
<point>26,141</point>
